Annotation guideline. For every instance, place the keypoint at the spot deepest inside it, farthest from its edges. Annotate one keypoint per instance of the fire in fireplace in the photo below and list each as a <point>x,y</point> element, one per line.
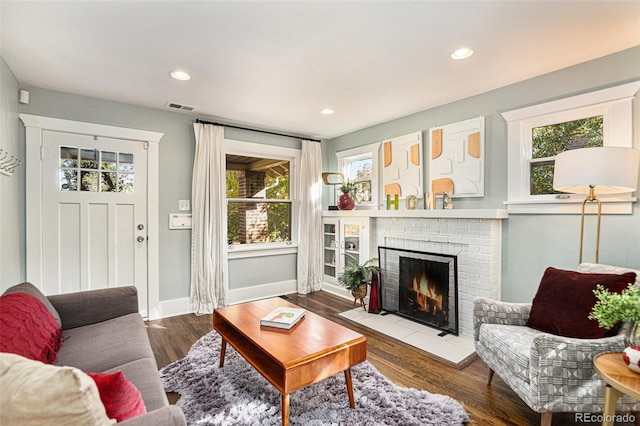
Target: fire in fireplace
<point>420,286</point>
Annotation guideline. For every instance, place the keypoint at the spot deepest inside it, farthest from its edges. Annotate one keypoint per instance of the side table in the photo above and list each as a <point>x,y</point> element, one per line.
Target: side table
<point>620,381</point>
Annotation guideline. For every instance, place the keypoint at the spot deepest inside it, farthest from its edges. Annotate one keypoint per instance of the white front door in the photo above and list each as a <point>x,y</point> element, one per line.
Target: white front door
<point>83,208</point>
<point>94,226</point>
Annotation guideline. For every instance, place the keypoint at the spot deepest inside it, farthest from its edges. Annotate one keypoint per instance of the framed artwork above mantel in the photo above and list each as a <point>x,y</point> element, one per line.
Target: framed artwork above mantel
<point>456,160</point>
<point>402,166</point>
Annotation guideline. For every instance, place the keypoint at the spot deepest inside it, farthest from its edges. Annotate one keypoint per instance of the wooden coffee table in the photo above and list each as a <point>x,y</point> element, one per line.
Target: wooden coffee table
<point>620,381</point>
<point>311,351</point>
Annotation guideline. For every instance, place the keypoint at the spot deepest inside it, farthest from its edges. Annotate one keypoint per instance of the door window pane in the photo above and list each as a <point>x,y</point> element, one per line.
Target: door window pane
<point>68,180</point>
<point>108,160</point>
<point>125,163</point>
<point>68,156</point>
<point>108,182</point>
<point>88,181</point>
<point>116,170</point>
<point>125,182</point>
<point>88,158</point>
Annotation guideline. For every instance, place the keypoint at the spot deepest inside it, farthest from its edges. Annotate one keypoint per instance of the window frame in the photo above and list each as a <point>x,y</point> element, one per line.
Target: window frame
<point>292,155</point>
<point>359,153</point>
<point>615,104</point>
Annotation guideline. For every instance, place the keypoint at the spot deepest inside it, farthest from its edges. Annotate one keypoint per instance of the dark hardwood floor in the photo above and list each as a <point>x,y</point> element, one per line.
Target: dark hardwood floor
<point>497,404</point>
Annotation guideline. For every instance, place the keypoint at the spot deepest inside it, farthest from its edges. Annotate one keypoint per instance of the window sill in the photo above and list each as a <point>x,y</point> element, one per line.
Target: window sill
<point>243,252</point>
<point>572,206</point>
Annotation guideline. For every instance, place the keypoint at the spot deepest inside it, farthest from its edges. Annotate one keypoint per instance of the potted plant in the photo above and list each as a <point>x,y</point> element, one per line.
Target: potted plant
<point>356,277</point>
<point>346,201</point>
<point>625,306</point>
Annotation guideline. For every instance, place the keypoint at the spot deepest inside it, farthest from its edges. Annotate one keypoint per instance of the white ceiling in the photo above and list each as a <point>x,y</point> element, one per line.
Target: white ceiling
<point>275,65</point>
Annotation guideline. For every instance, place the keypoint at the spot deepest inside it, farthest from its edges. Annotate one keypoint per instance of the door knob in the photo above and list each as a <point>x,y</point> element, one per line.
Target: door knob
<point>140,239</point>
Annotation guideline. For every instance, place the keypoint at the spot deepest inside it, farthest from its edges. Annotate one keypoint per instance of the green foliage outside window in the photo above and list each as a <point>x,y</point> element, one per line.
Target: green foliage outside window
<point>549,141</point>
<point>233,190</point>
<point>278,214</point>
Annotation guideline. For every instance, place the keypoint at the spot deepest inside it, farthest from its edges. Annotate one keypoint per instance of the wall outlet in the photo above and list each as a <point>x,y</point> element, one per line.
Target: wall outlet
<point>184,205</point>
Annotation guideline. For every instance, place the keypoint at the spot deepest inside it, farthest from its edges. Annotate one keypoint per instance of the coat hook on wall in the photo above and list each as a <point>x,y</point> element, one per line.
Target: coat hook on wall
<point>7,163</point>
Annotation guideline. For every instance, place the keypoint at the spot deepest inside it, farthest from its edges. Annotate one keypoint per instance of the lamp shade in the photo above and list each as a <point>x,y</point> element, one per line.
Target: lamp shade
<point>610,170</point>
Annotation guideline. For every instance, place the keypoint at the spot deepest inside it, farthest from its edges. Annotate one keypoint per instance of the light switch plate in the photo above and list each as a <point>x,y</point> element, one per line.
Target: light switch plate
<point>184,205</point>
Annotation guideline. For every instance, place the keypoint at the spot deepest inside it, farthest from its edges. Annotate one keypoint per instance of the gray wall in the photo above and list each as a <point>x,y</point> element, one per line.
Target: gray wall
<point>12,201</point>
<point>530,242</point>
<point>177,149</point>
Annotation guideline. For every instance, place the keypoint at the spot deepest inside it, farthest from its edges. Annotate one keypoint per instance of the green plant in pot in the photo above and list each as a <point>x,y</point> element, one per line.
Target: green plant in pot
<point>357,276</point>
<point>612,308</point>
<point>347,187</point>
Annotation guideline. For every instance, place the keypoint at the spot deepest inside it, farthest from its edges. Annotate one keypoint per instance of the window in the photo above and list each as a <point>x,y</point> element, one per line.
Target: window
<point>550,140</point>
<point>259,196</point>
<point>537,134</point>
<point>93,170</point>
<point>360,166</point>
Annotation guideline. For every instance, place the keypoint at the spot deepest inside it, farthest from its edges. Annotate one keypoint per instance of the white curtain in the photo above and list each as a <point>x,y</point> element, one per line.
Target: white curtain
<point>209,270</point>
<point>310,272</point>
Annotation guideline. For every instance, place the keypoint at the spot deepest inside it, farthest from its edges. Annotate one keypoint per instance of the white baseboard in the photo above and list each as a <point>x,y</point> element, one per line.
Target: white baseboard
<point>171,308</point>
<point>182,306</point>
<point>248,294</point>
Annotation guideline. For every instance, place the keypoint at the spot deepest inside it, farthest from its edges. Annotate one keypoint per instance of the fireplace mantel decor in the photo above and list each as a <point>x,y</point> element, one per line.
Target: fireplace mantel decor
<point>421,287</point>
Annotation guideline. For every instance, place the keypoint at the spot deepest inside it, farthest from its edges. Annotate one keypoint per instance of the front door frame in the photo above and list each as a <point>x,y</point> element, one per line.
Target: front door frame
<point>35,125</point>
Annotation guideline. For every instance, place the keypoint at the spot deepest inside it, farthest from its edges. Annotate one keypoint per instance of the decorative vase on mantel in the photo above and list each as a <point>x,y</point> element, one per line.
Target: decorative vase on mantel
<point>346,202</point>
<point>631,353</point>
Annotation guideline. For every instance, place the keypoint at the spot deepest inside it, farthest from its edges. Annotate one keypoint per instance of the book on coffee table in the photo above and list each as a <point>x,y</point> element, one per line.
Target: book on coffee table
<point>282,317</point>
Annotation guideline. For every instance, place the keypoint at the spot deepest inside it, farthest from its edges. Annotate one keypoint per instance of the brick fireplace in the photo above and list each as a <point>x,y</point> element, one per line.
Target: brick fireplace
<point>475,241</point>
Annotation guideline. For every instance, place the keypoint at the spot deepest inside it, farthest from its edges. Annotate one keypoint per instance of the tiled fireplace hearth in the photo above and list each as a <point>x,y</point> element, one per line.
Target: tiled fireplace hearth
<point>474,236</point>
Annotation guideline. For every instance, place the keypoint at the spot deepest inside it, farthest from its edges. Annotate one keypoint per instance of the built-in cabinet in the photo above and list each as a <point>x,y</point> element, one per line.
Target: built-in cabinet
<point>346,242</point>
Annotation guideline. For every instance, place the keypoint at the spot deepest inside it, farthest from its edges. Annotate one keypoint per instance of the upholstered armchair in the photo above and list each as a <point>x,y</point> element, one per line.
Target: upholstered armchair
<point>550,373</point>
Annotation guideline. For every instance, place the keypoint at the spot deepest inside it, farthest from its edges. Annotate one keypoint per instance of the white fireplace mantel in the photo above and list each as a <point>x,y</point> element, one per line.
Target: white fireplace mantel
<point>420,213</point>
<point>473,235</point>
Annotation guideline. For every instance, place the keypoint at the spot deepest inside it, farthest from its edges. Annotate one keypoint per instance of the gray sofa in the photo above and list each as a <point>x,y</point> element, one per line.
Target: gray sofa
<point>103,332</point>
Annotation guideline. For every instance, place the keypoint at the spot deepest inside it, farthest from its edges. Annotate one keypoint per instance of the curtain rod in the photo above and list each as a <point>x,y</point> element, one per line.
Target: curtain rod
<point>256,130</point>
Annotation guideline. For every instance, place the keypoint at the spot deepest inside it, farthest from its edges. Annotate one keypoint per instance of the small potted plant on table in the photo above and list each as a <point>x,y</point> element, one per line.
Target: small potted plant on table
<point>357,277</point>
<point>625,306</point>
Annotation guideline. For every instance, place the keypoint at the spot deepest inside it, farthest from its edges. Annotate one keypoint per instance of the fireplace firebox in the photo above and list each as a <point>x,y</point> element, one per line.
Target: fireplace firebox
<point>420,286</point>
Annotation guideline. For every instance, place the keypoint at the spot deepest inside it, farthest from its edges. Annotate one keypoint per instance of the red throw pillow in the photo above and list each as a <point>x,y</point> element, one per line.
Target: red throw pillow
<point>120,397</point>
<point>27,328</point>
<point>564,301</point>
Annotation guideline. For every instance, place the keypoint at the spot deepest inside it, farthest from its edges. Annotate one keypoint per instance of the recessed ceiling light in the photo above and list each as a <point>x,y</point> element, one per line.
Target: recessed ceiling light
<point>327,111</point>
<point>462,53</point>
<point>179,75</point>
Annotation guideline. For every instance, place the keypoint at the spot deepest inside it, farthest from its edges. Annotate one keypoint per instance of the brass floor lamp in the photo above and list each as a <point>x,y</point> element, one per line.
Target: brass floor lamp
<point>601,170</point>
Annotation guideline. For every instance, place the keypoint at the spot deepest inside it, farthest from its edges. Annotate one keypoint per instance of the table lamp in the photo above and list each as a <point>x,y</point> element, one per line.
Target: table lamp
<point>601,170</point>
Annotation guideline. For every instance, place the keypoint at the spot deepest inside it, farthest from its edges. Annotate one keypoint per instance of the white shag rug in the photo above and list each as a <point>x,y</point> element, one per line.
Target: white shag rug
<point>237,394</point>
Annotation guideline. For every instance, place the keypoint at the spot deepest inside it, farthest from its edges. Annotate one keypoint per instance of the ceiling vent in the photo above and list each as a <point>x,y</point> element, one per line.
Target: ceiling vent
<point>180,106</point>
